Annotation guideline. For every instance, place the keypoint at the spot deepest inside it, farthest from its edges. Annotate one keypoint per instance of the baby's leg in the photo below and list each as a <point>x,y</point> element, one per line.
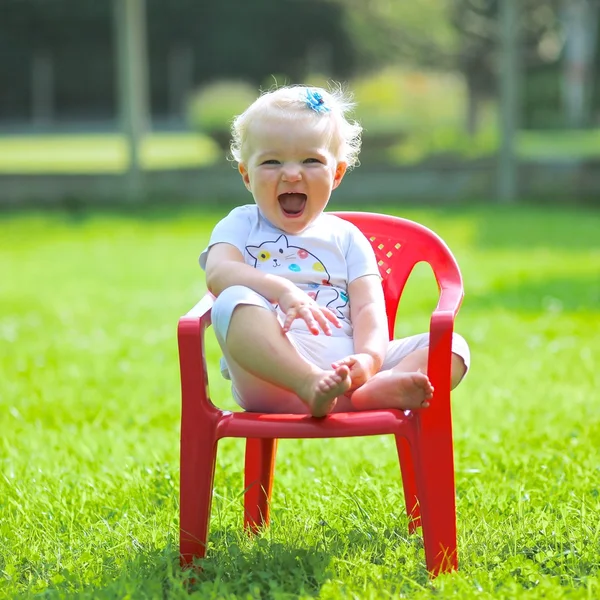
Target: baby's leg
<point>251,337</point>
<point>402,381</point>
<point>417,361</point>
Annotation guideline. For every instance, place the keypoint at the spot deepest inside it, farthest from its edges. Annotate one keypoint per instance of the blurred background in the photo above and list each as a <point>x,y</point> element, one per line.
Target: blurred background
<point>109,101</point>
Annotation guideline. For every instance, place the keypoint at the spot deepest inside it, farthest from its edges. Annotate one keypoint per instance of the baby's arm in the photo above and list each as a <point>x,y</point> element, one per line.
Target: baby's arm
<point>225,267</point>
<point>369,323</point>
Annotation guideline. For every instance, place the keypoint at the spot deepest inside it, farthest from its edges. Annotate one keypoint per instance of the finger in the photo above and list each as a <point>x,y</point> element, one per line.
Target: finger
<point>290,317</point>
<point>306,314</point>
<point>321,320</point>
<point>331,317</point>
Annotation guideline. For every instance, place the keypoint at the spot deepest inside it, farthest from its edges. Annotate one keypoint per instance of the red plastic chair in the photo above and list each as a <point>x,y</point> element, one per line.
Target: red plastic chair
<point>423,438</point>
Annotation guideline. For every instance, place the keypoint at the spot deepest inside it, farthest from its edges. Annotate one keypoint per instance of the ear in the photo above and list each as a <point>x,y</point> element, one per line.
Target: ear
<point>245,176</point>
<point>340,171</point>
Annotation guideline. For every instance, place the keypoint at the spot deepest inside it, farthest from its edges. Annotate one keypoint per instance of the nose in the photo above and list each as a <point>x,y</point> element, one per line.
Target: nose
<point>291,172</point>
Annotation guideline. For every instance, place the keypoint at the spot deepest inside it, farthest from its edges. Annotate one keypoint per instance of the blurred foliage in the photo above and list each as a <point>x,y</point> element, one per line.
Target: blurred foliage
<point>411,116</point>
<point>407,98</point>
<point>541,99</point>
<point>445,143</point>
<point>385,32</point>
<point>464,36</point>
<point>478,29</point>
<point>212,108</point>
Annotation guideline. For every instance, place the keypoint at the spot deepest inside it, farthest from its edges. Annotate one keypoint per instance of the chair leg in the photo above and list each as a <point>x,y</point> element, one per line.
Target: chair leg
<point>258,481</point>
<point>409,484</point>
<point>197,470</point>
<point>436,491</point>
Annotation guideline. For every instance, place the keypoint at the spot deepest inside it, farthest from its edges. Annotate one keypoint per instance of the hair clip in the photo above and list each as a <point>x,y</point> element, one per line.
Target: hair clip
<point>315,101</point>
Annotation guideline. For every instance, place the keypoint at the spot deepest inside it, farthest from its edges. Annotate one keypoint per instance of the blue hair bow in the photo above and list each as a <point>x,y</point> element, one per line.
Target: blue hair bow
<point>315,101</point>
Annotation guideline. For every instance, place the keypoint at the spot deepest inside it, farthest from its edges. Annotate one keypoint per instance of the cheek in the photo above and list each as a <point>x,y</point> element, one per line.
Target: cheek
<point>264,180</point>
<point>327,180</point>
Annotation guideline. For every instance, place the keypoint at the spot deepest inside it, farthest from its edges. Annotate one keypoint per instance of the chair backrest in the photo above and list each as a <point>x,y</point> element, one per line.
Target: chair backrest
<point>399,244</point>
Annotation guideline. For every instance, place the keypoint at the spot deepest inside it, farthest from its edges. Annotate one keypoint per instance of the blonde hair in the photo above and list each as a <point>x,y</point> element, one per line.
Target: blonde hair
<point>296,101</point>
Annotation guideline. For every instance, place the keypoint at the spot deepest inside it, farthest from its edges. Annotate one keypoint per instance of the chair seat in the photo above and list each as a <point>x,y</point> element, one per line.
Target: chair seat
<point>343,424</point>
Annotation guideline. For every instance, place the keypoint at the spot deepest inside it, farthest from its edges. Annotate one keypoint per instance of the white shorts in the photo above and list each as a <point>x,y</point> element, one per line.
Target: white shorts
<point>255,395</point>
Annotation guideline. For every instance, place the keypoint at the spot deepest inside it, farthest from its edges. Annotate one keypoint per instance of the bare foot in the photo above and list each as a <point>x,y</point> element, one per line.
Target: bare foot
<point>393,389</point>
<point>322,390</point>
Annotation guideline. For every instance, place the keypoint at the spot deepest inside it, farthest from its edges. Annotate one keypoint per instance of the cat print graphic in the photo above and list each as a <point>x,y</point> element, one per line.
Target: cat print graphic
<point>278,255</point>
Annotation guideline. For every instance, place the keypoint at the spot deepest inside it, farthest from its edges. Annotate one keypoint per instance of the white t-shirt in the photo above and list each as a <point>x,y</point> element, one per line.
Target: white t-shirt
<point>322,260</point>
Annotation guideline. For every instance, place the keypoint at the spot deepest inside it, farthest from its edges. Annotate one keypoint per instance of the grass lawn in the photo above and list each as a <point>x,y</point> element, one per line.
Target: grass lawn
<point>101,153</point>
<point>89,414</point>
<point>568,144</point>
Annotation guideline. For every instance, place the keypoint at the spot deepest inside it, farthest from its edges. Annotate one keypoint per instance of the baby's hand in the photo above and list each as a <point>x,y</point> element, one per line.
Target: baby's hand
<point>298,305</point>
<point>362,368</point>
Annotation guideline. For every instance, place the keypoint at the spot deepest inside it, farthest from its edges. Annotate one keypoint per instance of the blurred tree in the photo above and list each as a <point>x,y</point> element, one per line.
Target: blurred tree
<point>457,34</point>
<point>579,19</point>
<point>476,21</point>
<point>386,31</point>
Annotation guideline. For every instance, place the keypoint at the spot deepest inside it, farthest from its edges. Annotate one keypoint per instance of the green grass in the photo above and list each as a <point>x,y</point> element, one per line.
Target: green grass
<point>89,414</point>
<point>569,144</point>
<point>101,153</point>
<point>452,140</point>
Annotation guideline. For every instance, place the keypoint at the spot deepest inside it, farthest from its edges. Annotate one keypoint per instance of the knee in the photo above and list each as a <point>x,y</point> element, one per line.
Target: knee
<point>461,359</point>
<point>232,295</point>
<point>226,303</point>
<point>461,348</point>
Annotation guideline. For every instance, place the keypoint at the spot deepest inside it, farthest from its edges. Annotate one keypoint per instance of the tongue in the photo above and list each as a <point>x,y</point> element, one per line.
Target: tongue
<point>292,203</point>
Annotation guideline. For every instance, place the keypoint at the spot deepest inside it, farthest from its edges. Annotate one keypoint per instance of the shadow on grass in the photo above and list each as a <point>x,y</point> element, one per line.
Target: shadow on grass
<point>256,570</point>
<point>237,566</point>
<point>303,566</point>
<point>548,295</point>
<point>262,569</point>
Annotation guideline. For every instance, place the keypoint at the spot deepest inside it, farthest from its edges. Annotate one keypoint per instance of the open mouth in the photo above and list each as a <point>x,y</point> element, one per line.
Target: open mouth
<point>292,204</point>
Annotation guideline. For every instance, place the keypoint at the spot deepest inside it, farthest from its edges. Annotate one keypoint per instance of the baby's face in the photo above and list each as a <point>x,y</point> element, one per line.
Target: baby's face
<point>290,170</point>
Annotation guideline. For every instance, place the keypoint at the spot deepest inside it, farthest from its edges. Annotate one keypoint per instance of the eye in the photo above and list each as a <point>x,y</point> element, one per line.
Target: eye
<point>271,161</point>
<point>280,250</point>
<point>312,160</point>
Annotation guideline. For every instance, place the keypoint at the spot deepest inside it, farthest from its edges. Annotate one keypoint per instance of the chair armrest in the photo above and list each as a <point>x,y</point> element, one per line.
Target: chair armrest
<point>451,296</point>
<point>438,416</point>
<point>202,308</point>
<point>441,329</point>
<point>192,359</point>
